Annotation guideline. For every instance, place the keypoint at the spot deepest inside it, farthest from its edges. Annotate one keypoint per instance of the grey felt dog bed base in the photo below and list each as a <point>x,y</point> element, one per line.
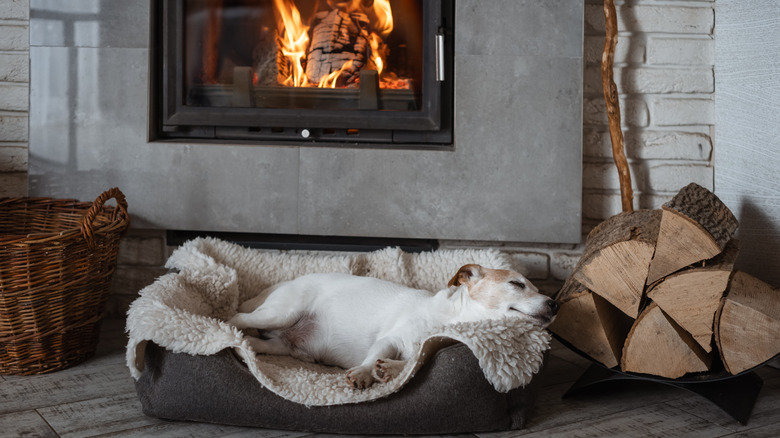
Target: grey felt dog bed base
<point>448,395</point>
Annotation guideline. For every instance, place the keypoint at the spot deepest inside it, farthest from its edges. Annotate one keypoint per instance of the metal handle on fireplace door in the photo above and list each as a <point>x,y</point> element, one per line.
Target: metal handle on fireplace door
<point>440,56</point>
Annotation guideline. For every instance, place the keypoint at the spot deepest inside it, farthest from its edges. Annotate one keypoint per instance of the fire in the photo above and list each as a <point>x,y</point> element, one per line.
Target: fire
<point>384,17</point>
<point>330,80</point>
<point>294,41</point>
<point>373,40</point>
<point>382,21</point>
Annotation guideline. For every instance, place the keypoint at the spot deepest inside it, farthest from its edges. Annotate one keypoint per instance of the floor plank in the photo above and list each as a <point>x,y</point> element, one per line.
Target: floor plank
<point>94,379</point>
<point>658,420</point>
<point>769,431</point>
<point>201,430</point>
<point>551,410</point>
<point>27,423</point>
<point>97,416</point>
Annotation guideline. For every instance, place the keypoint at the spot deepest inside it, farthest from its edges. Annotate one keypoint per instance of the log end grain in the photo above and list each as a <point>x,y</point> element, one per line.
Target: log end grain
<point>591,325</point>
<point>748,323</point>
<point>658,346</point>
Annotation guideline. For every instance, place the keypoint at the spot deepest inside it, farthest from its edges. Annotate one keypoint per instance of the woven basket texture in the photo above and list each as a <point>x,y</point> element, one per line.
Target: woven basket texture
<point>57,257</point>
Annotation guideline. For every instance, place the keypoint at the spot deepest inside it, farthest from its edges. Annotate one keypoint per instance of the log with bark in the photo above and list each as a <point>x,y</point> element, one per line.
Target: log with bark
<point>695,226</point>
<point>617,257</point>
<point>655,292</point>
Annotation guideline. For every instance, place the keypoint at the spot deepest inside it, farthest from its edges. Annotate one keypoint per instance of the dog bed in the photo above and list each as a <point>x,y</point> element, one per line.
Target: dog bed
<point>189,364</point>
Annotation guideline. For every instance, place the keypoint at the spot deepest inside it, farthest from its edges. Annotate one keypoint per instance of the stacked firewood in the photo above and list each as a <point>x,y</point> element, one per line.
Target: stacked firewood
<point>656,292</point>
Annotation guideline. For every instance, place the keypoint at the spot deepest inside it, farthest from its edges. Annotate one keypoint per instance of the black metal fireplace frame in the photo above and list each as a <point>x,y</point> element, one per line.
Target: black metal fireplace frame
<point>430,127</point>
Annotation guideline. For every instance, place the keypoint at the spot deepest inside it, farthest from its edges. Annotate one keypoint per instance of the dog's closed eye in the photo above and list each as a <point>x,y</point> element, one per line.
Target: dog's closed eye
<point>519,284</point>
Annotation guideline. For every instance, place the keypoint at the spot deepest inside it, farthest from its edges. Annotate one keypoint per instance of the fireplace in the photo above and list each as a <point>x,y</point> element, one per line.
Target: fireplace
<point>512,171</point>
<point>321,72</point>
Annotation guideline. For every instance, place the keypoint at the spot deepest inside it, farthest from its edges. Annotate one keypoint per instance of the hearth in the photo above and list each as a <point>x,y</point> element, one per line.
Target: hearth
<point>349,72</point>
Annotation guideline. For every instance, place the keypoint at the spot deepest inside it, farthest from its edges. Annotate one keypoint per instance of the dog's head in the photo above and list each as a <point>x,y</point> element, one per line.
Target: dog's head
<point>507,292</point>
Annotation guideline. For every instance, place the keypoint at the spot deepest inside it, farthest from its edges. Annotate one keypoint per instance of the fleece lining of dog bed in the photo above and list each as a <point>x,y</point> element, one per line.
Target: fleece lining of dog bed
<point>185,311</point>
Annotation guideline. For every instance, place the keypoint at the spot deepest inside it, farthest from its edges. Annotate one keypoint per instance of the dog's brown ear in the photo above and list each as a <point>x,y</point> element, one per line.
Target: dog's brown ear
<point>466,274</point>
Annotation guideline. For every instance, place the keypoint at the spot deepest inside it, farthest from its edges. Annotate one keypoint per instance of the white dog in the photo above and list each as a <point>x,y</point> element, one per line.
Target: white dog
<point>370,326</point>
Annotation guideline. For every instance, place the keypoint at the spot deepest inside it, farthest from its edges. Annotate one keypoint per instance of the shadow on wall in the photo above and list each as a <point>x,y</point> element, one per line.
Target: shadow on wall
<point>759,243</point>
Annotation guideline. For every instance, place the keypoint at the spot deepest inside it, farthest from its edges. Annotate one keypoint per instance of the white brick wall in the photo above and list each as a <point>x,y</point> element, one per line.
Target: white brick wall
<point>14,91</point>
<point>664,73</point>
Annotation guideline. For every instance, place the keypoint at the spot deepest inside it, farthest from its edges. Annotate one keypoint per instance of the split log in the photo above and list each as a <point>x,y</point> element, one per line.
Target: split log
<point>657,345</point>
<point>617,256</point>
<point>692,297</point>
<point>695,226</point>
<point>590,323</point>
<point>748,323</point>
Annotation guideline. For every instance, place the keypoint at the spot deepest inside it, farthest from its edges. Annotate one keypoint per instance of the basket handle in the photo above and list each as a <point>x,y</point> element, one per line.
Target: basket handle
<point>86,224</point>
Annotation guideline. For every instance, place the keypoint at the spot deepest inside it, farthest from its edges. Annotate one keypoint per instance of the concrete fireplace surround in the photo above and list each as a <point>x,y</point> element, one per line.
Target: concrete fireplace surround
<point>515,173</point>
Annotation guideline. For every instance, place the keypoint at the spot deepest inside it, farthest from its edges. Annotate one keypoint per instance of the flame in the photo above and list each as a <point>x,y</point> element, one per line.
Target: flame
<point>382,22</point>
<point>373,40</point>
<point>384,17</point>
<point>330,80</point>
<point>294,41</point>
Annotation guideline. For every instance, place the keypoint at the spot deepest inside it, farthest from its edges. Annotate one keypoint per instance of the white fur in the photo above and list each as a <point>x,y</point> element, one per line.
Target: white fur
<point>372,327</point>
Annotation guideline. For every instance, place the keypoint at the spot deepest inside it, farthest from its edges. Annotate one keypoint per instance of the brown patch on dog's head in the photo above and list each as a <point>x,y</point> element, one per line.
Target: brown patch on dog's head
<point>467,274</point>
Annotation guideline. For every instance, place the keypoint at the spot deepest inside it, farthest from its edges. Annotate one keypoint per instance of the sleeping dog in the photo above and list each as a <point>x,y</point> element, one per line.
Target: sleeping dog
<point>370,326</point>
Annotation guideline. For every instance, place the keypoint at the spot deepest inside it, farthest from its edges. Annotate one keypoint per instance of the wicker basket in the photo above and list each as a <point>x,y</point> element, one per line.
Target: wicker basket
<point>57,257</point>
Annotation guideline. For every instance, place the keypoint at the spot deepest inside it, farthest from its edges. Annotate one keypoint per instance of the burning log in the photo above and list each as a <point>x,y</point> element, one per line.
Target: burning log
<point>338,38</point>
<point>340,43</point>
<point>676,310</point>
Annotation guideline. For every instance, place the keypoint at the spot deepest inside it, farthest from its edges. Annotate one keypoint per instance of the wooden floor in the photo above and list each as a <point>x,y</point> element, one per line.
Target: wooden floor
<point>98,398</point>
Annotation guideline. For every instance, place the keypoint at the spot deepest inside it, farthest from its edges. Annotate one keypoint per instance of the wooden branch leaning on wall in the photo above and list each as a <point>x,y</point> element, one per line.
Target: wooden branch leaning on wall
<point>613,106</point>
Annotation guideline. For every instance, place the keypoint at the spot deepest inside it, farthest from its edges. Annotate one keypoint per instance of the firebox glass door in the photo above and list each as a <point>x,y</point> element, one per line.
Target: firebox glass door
<point>304,54</point>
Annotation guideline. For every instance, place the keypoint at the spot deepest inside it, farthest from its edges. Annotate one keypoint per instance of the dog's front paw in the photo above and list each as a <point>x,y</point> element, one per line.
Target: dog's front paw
<point>387,369</point>
<point>360,377</point>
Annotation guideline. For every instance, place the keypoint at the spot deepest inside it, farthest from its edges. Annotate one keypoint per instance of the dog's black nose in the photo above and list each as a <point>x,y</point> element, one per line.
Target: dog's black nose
<point>553,306</point>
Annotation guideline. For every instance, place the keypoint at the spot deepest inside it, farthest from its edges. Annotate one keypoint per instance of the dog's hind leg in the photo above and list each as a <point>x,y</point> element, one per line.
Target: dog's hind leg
<point>273,346</point>
<point>362,376</point>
